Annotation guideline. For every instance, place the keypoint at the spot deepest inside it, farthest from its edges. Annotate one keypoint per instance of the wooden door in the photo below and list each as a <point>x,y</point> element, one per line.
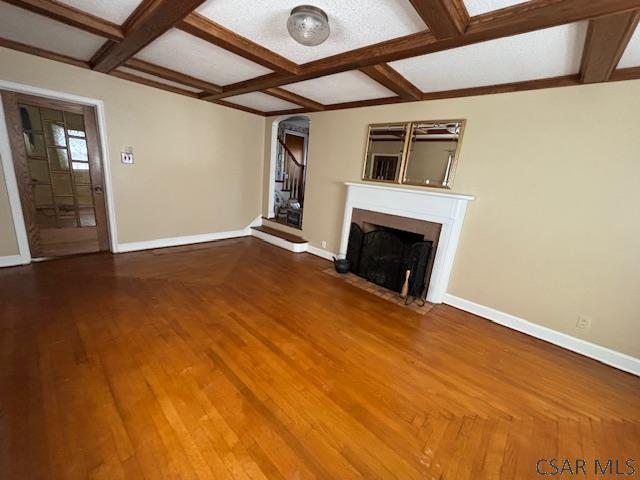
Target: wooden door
<point>56,156</point>
<point>295,144</point>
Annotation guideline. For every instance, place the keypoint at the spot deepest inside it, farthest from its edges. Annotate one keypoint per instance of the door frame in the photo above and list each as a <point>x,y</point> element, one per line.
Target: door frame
<point>273,157</point>
<point>10,174</point>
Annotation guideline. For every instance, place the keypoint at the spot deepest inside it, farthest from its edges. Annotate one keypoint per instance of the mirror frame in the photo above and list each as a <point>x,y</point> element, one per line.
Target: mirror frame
<point>405,159</point>
<point>402,157</point>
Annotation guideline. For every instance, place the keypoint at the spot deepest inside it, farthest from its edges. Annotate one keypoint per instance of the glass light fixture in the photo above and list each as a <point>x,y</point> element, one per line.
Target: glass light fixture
<point>308,25</point>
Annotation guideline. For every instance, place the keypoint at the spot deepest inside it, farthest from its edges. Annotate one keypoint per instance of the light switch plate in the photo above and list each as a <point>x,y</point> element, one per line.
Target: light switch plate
<point>127,158</point>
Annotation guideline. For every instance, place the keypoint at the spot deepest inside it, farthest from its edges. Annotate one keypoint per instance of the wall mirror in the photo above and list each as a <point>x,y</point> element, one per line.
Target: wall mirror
<point>432,155</point>
<point>386,146</point>
<point>423,153</point>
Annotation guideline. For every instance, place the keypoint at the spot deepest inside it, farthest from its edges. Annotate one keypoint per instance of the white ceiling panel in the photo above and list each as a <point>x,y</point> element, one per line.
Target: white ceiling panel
<point>116,11</point>
<point>478,7</point>
<point>261,101</point>
<point>339,88</point>
<point>185,53</point>
<point>540,54</point>
<point>631,55</point>
<point>158,79</point>
<point>353,23</point>
<point>31,29</point>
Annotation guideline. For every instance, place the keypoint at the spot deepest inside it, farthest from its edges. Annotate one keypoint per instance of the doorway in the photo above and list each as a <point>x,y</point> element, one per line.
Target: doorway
<point>287,187</point>
<point>59,175</point>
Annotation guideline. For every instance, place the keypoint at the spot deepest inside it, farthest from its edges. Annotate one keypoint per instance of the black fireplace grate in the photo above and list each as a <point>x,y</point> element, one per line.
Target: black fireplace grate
<point>384,255</point>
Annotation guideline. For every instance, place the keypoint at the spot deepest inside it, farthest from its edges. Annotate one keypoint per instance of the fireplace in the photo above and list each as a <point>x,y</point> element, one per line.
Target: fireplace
<point>436,216</point>
<point>388,256</point>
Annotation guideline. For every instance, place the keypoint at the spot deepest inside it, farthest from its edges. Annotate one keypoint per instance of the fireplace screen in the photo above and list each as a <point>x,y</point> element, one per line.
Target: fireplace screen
<point>384,255</point>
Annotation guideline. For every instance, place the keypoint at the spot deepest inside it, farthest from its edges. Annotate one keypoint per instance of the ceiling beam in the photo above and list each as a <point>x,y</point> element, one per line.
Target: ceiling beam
<point>179,91</point>
<point>152,83</point>
<point>71,16</point>
<point>282,94</point>
<point>607,38</point>
<point>157,18</point>
<point>203,28</point>
<point>445,18</point>
<point>391,79</point>
<point>172,75</point>
<point>521,18</point>
<point>240,107</point>
<point>21,47</point>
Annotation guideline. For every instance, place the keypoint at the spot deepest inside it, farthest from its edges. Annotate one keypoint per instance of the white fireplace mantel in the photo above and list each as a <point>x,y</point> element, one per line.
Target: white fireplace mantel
<point>447,209</point>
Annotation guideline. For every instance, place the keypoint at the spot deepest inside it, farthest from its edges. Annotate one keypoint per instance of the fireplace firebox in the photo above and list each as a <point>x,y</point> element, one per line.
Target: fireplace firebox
<point>383,255</point>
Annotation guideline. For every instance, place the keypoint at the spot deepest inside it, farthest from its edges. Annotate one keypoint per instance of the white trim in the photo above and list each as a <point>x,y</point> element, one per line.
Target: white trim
<point>418,191</point>
<point>178,241</point>
<point>187,240</point>
<point>10,176</point>
<point>446,209</point>
<point>280,242</point>
<point>13,261</point>
<point>271,212</point>
<point>605,355</point>
<point>319,252</point>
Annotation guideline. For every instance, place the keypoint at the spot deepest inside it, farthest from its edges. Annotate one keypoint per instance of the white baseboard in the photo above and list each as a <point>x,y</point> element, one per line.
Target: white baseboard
<point>186,240</point>
<point>605,355</point>
<point>13,261</point>
<point>319,252</point>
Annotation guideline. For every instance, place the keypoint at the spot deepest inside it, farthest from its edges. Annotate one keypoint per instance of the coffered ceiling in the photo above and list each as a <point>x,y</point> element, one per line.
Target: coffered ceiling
<point>238,53</point>
<point>354,24</point>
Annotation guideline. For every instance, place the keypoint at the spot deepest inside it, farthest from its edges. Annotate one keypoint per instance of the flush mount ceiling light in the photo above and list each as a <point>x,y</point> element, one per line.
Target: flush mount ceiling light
<point>308,25</point>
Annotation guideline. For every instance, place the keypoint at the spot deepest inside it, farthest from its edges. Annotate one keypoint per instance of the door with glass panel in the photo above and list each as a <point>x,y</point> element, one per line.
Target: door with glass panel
<point>57,161</point>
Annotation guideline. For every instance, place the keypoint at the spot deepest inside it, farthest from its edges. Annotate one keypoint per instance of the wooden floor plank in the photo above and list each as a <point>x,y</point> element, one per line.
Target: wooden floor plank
<point>237,359</point>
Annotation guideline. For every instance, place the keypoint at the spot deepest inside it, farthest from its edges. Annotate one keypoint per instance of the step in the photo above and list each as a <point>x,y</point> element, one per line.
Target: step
<point>281,239</point>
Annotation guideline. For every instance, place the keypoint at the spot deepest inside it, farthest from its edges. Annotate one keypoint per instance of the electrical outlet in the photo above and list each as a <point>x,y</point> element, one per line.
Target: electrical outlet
<point>324,244</point>
<point>584,322</point>
<point>126,157</point>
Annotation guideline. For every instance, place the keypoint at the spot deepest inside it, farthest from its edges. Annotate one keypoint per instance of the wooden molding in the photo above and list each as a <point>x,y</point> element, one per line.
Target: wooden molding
<point>239,107</point>
<point>203,28</point>
<point>71,16</point>
<point>607,38</point>
<point>521,18</point>
<point>152,83</point>
<point>291,111</point>
<point>172,75</point>
<point>391,79</point>
<point>623,74</point>
<point>366,103</point>
<point>148,25</point>
<point>445,18</point>
<point>21,47</point>
<point>304,102</point>
<point>552,82</point>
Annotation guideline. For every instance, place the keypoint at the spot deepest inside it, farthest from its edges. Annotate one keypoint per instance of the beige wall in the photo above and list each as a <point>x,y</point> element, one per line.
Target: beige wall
<point>554,230</point>
<point>198,165</point>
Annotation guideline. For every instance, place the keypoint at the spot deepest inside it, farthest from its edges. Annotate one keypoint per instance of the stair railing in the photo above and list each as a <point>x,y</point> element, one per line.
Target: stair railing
<point>293,178</point>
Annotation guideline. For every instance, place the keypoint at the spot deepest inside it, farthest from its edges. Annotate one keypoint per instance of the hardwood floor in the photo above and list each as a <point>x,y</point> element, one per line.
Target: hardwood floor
<point>237,359</point>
